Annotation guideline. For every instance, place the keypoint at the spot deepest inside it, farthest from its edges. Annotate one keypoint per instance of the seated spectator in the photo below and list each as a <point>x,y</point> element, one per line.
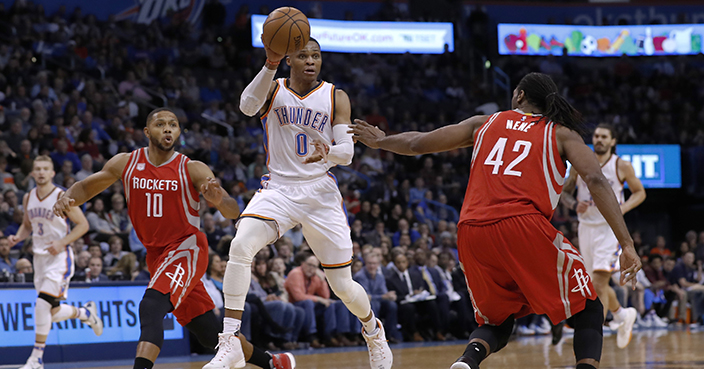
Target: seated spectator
<point>24,266</point>
<point>437,288</point>
<point>661,247</point>
<point>689,277</point>
<point>677,293</point>
<point>382,300</point>
<point>86,167</point>
<point>82,260</point>
<point>6,262</point>
<point>125,269</point>
<point>404,229</point>
<point>211,230</point>
<point>412,299</point>
<point>115,253</point>
<point>306,289</point>
<point>288,318</point>
<point>95,273</point>
<point>375,236</point>
<point>143,270</point>
<point>456,290</point>
<point>357,265</point>
<point>62,154</point>
<point>100,225</point>
<point>285,252</point>
<point>95,250</point>
<point>295,234</point>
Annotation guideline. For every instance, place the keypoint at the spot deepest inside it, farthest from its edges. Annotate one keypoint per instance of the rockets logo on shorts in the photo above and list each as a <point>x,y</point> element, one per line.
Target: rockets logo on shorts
<point>582,282</point>
<point>176,277</point>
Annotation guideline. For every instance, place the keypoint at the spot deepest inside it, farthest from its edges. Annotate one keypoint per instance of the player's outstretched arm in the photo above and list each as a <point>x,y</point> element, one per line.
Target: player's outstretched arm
<point>446,138</point>
<point>259,91</point>
<point>205,182</point>
<point>25,228</point>
<point>96,183</point>
<point>584,161</point>
<point>625,171</point>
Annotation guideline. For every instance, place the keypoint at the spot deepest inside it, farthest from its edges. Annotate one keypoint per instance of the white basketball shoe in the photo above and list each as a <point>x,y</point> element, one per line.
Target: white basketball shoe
<point>380,356</point>
<point>33,363</point>
<point>625,330</point>
<point>93,320</point>
<point>229,355</point>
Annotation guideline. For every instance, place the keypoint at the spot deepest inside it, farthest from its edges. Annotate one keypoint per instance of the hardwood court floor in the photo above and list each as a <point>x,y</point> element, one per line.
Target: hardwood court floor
<point>675,349</point>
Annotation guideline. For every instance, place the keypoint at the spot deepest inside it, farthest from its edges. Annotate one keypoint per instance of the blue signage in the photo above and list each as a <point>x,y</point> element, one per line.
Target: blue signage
<point>117,306</point>
<point>657,166</point>
<point>600,41</point>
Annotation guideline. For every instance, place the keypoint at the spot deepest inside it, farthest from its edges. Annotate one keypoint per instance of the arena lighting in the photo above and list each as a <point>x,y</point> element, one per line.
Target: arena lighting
<point>600,41</point>
<point>373,37</point>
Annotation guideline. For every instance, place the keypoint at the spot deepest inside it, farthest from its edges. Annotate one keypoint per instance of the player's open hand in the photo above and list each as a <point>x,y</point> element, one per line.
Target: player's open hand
<point>63,206</point>
<point>212,191</point>
<point>630,265</point>
<point>272,56</point>
<point>320,153</point>
<point>366,133</point>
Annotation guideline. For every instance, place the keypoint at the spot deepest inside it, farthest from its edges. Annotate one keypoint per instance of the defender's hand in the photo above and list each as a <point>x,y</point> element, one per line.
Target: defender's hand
<point>630,265</point>
<point>366,133</point>
<point>63,206</point>
<point>212,191</point>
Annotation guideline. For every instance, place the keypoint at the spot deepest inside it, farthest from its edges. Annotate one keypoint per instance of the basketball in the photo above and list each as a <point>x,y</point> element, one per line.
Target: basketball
<point>286,30</point>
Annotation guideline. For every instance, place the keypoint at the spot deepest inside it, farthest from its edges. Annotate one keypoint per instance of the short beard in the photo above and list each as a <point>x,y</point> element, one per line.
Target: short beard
<point>601,151</point>
<point>159,146</point>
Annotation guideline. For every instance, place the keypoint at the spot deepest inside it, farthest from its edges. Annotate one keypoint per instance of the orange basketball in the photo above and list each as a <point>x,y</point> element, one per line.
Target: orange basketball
<point>286,30</point>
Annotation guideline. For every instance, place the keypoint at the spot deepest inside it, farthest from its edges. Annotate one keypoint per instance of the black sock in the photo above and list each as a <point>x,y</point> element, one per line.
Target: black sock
<point>142,363</point>
<point>260,358</point>
<point>475,353</point>
<point>585,366</point>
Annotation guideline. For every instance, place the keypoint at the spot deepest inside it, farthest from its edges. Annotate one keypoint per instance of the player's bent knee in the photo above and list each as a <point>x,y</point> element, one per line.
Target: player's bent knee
<point>252,235</point>
<point>152,309</point>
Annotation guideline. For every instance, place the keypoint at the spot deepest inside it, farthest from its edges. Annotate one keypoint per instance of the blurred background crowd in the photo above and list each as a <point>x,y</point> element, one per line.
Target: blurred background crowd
<point>78,89</point>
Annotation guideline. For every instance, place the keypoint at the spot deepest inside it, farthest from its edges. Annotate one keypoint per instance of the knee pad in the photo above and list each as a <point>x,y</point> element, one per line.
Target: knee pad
<point>152,309</point>
<point>50,299</point>
<point>42,318</point>
<point>252,235</point>
<point>351,293</point>
<point>495,335</point>
<point>588,331</point>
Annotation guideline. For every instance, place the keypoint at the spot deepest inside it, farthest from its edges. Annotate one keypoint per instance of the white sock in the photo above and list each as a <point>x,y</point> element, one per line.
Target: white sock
<point>83,313</point>
<point>231,325</point>
<point>371,326</point>
<point>64,312</point>
<point>619,315</point>
<point>38,350</point>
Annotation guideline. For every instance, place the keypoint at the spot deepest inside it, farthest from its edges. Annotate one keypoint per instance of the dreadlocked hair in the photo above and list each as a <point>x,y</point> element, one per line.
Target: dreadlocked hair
<point>541,91</point>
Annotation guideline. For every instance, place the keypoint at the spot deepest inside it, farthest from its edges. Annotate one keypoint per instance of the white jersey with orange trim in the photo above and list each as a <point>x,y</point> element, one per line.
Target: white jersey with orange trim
<point>291,123</point>
<point>592,216</point>
<point>46,226</point>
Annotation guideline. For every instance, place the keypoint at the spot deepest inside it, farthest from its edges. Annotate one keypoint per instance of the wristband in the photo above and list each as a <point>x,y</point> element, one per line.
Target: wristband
<point>276,64</point>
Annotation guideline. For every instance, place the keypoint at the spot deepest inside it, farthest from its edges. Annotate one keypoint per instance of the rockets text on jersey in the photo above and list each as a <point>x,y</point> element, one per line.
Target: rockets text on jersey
<point>161,200</point>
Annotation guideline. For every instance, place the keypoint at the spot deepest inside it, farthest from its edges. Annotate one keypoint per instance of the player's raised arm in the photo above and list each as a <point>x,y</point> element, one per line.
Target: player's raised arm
<point>205,182</point>
<point>445,138</point>
<point>26,226</point>
<point>625,171</point>
<point>96,183</point>
<point>584,161</point>
<point>259,91</point>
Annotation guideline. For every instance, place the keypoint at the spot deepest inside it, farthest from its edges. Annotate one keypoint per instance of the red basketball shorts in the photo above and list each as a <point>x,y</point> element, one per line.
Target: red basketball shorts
<point>522,265</point>
<point>177,269</point>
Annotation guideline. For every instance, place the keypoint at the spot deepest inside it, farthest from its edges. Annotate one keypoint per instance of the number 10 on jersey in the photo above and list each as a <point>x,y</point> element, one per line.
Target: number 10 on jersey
<point>155,205</point>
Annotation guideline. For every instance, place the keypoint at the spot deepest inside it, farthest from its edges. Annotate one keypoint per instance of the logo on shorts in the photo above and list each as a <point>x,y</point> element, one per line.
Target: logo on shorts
<point>140,166</point>
<point>176,277</point>
<point>582,282</point>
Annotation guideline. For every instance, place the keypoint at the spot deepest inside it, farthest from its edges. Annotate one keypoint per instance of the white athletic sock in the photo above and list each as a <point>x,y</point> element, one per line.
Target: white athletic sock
<point>38,350</point>
<point>231,325</point>
<point>82,313</point>
<point>371,326</point>
<point>619,315</point>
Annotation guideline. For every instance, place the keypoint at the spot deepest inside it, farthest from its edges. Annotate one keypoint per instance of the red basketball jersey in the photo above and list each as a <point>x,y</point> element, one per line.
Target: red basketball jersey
<point>516,169</point>
<point>161,201</point>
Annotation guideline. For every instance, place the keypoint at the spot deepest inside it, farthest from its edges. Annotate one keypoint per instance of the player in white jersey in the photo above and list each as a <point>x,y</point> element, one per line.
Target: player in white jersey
<point>53,258</point>
<point>597,241</point>
<point>305,126</point>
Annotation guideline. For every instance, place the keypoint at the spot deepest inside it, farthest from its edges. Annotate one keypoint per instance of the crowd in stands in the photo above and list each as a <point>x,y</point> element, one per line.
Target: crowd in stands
<point>78,89</point>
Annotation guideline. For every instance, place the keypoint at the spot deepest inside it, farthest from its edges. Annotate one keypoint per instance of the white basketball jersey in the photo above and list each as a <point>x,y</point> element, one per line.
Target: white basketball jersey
<point>46,226</point>
<point>592,215</point>
<point>290,125</point>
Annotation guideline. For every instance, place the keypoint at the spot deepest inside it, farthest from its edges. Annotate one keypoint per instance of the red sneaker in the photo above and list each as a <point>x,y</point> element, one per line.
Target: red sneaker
<point>283,361</point>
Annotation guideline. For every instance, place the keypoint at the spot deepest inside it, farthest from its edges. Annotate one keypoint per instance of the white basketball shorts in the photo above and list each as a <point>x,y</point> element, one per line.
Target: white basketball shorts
<point>599,247</point>
<point>317,205</point>
<point>53,273</point>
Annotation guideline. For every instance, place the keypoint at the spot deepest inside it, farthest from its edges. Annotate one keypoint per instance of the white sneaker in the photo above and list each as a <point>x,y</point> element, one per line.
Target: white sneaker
<point>93,319</point>
<point>657,322</point>
<point>525,331</point>
<point>380,356</point>
<point>543,328</point>
<point>625,330</point>
<point>229,355</point>
<point>33,363</point>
